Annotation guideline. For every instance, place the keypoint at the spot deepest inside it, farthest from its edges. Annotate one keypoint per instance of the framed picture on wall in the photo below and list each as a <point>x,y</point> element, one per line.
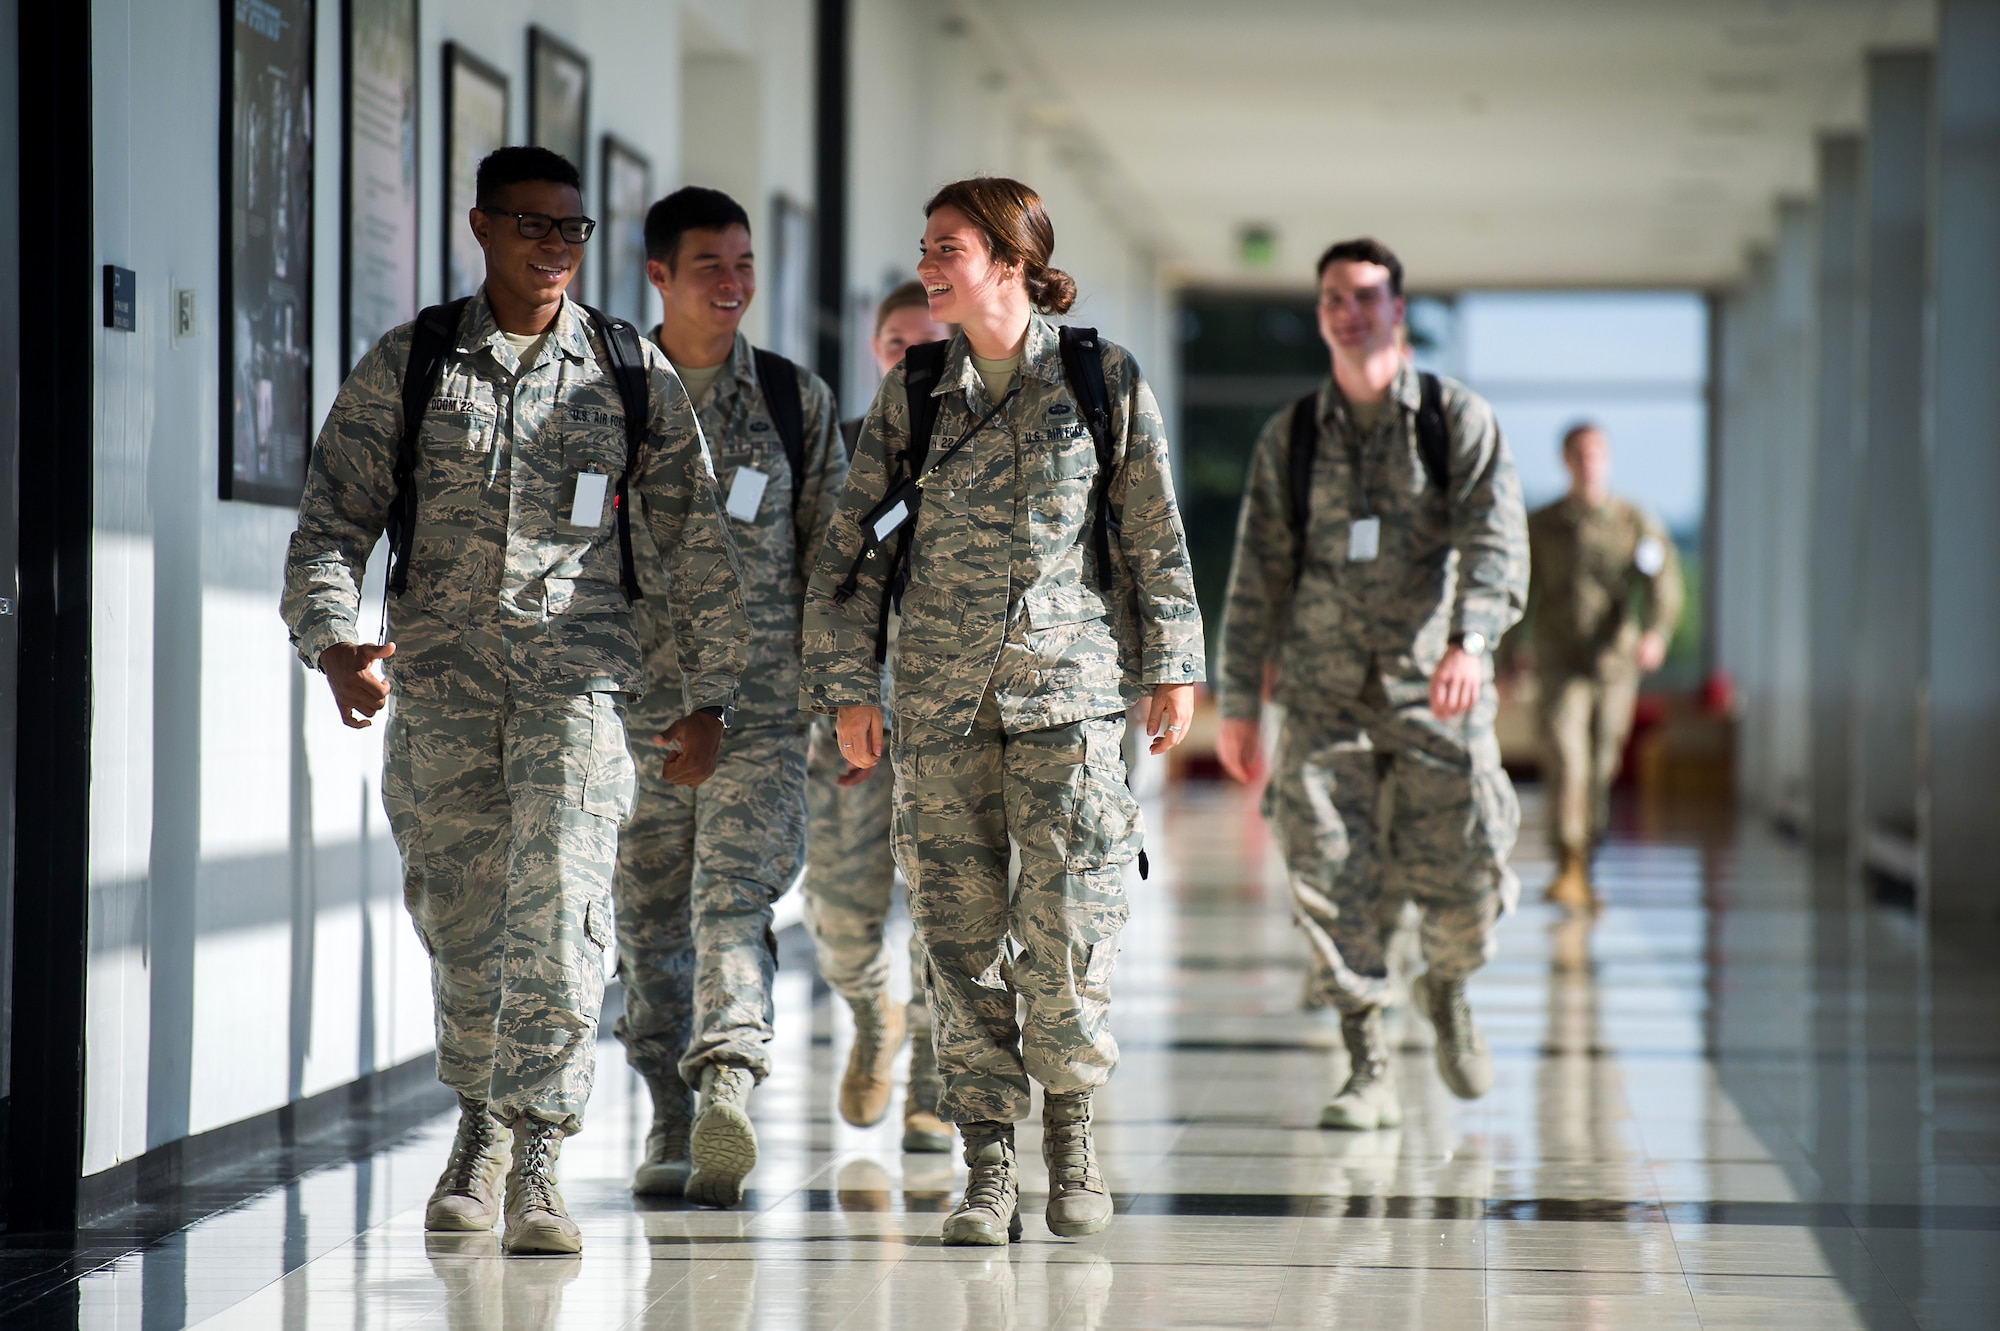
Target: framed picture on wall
<point>378,242</point>
<point>628,193</point>
<point>267,246</point>
<point>791,329</point>
<point>475,123</point>
<point>559,99</point>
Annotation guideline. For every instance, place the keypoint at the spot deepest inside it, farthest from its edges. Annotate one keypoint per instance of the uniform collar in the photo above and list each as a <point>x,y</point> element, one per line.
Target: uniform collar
<point>1041,358</point>
<point>739,369</point>
<point>567,336</point>
<point>1406,390</point>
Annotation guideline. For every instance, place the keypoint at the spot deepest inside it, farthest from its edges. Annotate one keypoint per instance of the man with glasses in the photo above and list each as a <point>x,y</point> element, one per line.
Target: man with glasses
<point>1381,551</point>
<point>699,871</point>
<point>511,649</point>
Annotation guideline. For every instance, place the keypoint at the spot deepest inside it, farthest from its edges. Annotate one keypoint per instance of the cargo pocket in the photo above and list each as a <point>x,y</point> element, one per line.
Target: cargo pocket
<point>1105,827</point>
<point>610,782</point>
<point>598,924</point>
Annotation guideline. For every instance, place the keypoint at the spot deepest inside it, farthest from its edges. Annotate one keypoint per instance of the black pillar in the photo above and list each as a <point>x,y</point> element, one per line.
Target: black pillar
<point>830,187</point>
<point>58,313</point>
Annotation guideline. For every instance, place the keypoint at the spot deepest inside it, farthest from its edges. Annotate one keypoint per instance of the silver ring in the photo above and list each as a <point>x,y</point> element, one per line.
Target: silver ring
<point>1173,728</point>
<point>845,745</point>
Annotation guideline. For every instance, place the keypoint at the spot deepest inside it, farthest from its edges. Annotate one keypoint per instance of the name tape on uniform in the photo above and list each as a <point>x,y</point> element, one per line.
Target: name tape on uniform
<point>588,510</point>
<point>746,493</point>
<point>1364,540</point>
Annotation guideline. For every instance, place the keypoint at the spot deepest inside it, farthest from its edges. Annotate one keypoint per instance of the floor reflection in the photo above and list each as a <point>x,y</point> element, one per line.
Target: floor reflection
<point>1744,1094</point>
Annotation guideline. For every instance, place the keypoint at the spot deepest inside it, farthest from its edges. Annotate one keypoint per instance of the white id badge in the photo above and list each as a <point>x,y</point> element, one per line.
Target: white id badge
<point>1650,557</point>
<point>1364,540</point>
<point>746,492</point>
<point>886,525</point>
<point>588,510</point>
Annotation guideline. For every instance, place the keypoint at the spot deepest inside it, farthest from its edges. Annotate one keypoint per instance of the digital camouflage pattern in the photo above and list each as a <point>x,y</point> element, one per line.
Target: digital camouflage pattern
<point>700,869</point>
<point>514,644</point>
<point>1011,676</point>
<point>1355,645</point>
<point>1003,593</point>
<point>1375,800</point>
<point>505,593</point>
<point>1060,793</point>
<point>849,885</point>
<point>775,549</point>
<point>1448,564</point>
<point>508,822</point>
<point>1602,575</point>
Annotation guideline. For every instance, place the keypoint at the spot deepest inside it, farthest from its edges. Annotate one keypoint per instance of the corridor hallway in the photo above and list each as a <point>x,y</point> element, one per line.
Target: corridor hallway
<point>1746,1097</point>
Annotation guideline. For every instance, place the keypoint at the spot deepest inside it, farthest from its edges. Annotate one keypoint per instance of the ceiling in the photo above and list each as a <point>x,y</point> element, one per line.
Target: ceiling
<point>1490,142</point>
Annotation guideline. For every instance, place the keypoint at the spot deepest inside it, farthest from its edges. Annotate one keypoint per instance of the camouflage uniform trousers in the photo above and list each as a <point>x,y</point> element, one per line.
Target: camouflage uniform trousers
<point>1060,795</point>
<point>698,871</point>
<point>1375,800</point>
<point>850,882</point>
<point>1586,719</point>
<point>507,818</point>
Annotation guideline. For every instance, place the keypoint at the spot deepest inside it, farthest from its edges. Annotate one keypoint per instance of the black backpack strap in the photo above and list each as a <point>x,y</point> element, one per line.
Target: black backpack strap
<point>1301,445</point>
<point>635,397</point>
<point>923,365</point>
<point>432,339</point>
<point>779,380</point>
<point>850,435</point>
<point>1433,435</point>
<point>1083,367</point>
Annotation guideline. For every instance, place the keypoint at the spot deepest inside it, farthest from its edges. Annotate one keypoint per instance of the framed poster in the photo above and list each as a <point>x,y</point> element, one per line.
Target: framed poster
<point>475,124</point>
<point>378,242</point>
<point>791,328</point>
<point>559,99</point>
<point>267,238</point>
<point>628,192</point>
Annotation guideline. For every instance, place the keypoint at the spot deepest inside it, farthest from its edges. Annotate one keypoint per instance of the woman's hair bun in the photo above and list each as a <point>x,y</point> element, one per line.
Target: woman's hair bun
<point>1017,231</point>
<point>1052,290</point>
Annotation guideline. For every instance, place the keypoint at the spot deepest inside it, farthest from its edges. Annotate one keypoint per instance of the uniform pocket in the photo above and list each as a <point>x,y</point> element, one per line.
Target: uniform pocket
<point>598,925</point>
<point>610,782</point>
<point>1105,825</point>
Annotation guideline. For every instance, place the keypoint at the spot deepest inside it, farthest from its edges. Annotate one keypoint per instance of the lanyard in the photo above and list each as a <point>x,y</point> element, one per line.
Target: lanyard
<point>966,438</point>
<point>1353,440</point>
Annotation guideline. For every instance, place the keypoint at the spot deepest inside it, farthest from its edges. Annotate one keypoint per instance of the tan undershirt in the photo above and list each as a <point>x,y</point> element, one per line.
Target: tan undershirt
<point>699,378</point>
<point>996,374</point>
<point>1366,414</point>
<point>527,346</point>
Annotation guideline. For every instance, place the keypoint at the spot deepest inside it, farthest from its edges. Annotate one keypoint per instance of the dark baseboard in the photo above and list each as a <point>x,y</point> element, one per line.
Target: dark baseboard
<point>270,1149</point>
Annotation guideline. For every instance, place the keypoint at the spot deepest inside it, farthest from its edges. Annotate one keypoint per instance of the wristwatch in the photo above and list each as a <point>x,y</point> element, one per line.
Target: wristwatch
<point>1472,644</point>
<point>724,713</point>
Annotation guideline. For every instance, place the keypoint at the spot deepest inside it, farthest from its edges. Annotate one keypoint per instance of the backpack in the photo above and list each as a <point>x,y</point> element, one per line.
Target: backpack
<point>1433,449</point>
<point>1083,371</point>
<point>435,334</point>
<point>779,380</point>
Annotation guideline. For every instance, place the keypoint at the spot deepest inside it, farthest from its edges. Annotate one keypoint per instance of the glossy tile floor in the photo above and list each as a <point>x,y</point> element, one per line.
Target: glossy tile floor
<point>1748,1095</point>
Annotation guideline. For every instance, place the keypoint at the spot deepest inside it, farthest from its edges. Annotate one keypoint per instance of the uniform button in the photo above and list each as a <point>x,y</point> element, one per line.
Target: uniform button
<point>1187,667</point>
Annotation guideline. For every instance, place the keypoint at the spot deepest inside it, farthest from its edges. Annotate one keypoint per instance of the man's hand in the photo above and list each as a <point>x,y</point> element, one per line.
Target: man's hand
<point>357,684</point>
<point>691,744</point>
<point>1240,747</point>
<point>1455,686</point>
<point>859,730</point>
<point>1652,651</point>
<point>1168,713</point>
<point>853,776</point>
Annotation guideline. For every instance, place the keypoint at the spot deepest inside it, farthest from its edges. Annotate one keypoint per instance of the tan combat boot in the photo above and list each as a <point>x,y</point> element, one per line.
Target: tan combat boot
<point>722,1145</point>
<point>878,1034</point>
<point>536,1220</point>
<point>924,1133</point>
<point>989,1215</point>
<point>1572,889</point>
<point>1462,1057</point>
<point>664,1172</point>
<point>1368,1100</point>
<point>1079,1203</point>
<point>467,1196</point>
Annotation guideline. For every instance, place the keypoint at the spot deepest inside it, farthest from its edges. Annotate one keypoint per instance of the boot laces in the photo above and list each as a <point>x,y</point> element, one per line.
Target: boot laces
<point>535,1171</point>
<point>986,1184</point>
<point>469,1149</point>
<point>1069,1151</point>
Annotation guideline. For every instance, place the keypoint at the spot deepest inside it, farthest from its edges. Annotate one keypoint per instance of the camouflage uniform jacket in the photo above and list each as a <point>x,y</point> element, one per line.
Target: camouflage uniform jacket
<point>504,591</point>
<point>1449,563</point>
<point>774,548</point>
<point>1003,591</point>
<point>1590,564</point>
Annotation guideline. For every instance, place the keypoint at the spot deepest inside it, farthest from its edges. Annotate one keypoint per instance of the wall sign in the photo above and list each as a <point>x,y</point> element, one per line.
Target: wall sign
<point>475,123</point>
<point>267,235</point>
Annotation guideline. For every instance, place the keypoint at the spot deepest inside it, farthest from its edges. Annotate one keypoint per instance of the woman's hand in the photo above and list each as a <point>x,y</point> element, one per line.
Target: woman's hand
<point>860,735</point>
<point>1239,746</point>
<point>1168,713</point>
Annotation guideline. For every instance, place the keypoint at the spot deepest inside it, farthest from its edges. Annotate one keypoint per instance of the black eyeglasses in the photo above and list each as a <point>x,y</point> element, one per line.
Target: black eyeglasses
<point>533,226</point>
